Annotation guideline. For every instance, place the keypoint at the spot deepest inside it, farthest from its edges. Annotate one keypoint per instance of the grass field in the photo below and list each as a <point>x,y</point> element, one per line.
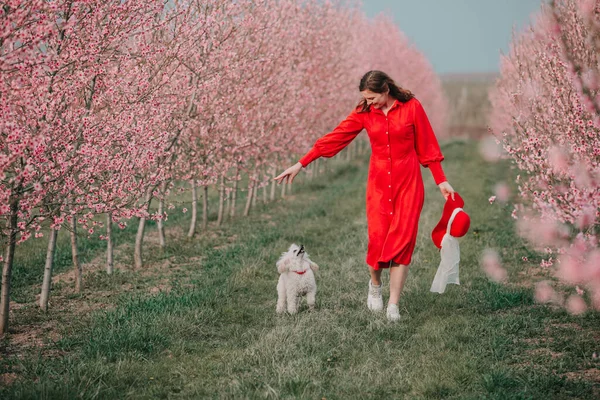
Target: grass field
<point>199,321</point>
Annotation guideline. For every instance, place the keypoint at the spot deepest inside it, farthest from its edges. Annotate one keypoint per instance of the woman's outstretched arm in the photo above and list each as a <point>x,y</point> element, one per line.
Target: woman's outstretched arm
<point>328,145</point>
<point>335,141</point>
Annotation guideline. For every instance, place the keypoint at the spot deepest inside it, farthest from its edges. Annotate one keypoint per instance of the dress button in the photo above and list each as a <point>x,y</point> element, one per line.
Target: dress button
<point>390,186</point>
<point>388,145</point>
<point>390,199</point>
<point>389,172</point>
<point>390,213</point>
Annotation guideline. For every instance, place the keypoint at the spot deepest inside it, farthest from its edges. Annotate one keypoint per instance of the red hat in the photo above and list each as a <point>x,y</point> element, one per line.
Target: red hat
<point>460,223</point>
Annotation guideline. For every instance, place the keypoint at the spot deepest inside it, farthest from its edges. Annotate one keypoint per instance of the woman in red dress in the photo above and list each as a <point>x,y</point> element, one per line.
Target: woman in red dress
<point>401,140</point>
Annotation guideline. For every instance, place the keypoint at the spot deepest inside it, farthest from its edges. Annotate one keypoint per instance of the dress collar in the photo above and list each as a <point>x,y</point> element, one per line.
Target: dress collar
<point>395,104</point>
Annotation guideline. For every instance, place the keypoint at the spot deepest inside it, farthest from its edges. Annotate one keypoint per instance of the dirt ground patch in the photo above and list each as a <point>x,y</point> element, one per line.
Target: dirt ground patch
<point>8,378</point>
<point>591,374</point>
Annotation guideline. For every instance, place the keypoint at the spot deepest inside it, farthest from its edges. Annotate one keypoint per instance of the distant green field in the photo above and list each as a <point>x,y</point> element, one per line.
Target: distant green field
<point>199,321</point>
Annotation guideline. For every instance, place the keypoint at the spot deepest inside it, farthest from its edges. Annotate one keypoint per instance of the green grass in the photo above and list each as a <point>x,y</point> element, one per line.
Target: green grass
<point>215,333</point>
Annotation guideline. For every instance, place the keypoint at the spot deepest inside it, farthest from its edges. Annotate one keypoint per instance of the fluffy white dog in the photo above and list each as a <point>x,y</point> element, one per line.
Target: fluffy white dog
<point>296,280</point>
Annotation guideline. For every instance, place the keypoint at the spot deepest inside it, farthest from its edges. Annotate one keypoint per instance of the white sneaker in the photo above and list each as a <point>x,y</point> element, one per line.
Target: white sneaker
<point>374,300</point>
<point>392,312</point>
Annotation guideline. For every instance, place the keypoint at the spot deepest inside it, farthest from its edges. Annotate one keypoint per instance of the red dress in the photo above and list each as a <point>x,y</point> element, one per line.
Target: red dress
<point>395,194</point>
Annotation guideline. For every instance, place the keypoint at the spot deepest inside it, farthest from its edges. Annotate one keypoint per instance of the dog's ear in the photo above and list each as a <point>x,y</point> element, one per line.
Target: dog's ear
<point>314,266</point>
<point>283,265</point>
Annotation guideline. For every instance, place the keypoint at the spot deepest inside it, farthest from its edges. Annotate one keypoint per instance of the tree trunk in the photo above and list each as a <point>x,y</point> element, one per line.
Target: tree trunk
<point>205,208</point>
<point>227,206</point>
<point>248,199</point>
<point>273,183</point>
<point>283,185</point>
<point>75,255</point>
<point>221,200</point>
<point>7,267</point>
<point>160,223</point>
<point>264,192</point>
<point>139,237</point>
<point>47,282</point>
<point>233,197</point>
<point>192,230</point>
<point>254,192</point>
<point>110,262</point>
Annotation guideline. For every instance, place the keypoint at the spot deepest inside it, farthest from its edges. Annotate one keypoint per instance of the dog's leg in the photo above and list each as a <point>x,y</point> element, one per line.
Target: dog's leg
<point>310,299</point>
<point>292,301</point>
<point>281,295</point>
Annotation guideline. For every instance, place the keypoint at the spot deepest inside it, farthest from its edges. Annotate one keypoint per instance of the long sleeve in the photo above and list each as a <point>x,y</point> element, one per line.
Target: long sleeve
<point>426,144</point>
<point>332,143</point>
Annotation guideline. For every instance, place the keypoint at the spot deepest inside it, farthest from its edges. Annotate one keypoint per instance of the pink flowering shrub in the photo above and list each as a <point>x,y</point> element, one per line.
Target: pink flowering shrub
<point>546,115</point>
<point>102,101</point>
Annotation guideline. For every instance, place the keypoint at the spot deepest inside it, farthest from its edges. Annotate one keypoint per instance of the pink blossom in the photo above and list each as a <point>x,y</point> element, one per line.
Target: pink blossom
<point>587,6</point>
<point>541,233</point>
<point>591,266</point>
<point>544,292</point>
<point>586,217</point>
<point>490,149</point>
<point>492,199</point>
<point>547,263</point>
<point>502,192</point>
<point>582,178</point>
<point>558,159</point>
<point>575,305</point>
<point>492,267</point>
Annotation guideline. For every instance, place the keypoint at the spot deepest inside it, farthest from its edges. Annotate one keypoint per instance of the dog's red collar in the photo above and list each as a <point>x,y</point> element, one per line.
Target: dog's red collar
<point>300,273</point>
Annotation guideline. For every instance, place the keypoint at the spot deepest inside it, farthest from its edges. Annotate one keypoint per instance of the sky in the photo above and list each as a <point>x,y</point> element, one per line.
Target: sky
<point>458,36</point>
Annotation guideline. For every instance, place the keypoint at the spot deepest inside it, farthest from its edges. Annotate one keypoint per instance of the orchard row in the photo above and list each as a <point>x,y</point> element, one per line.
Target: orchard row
<point>546,116</point>
<point>108,105</point>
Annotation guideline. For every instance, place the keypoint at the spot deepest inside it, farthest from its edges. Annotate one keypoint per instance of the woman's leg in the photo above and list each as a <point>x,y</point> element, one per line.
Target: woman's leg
<point>375,276</point>
<point>398,274</point>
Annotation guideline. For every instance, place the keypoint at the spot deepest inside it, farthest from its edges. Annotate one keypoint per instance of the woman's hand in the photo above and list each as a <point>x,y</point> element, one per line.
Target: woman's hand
<point>446,190</point>
<point>289,173</point>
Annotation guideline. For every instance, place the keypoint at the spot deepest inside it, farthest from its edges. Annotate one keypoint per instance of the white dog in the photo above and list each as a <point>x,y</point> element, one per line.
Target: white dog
<point>296,280</point>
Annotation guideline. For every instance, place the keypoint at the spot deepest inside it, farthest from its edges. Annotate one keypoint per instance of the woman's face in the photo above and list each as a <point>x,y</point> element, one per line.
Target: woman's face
<point>377,100</point>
